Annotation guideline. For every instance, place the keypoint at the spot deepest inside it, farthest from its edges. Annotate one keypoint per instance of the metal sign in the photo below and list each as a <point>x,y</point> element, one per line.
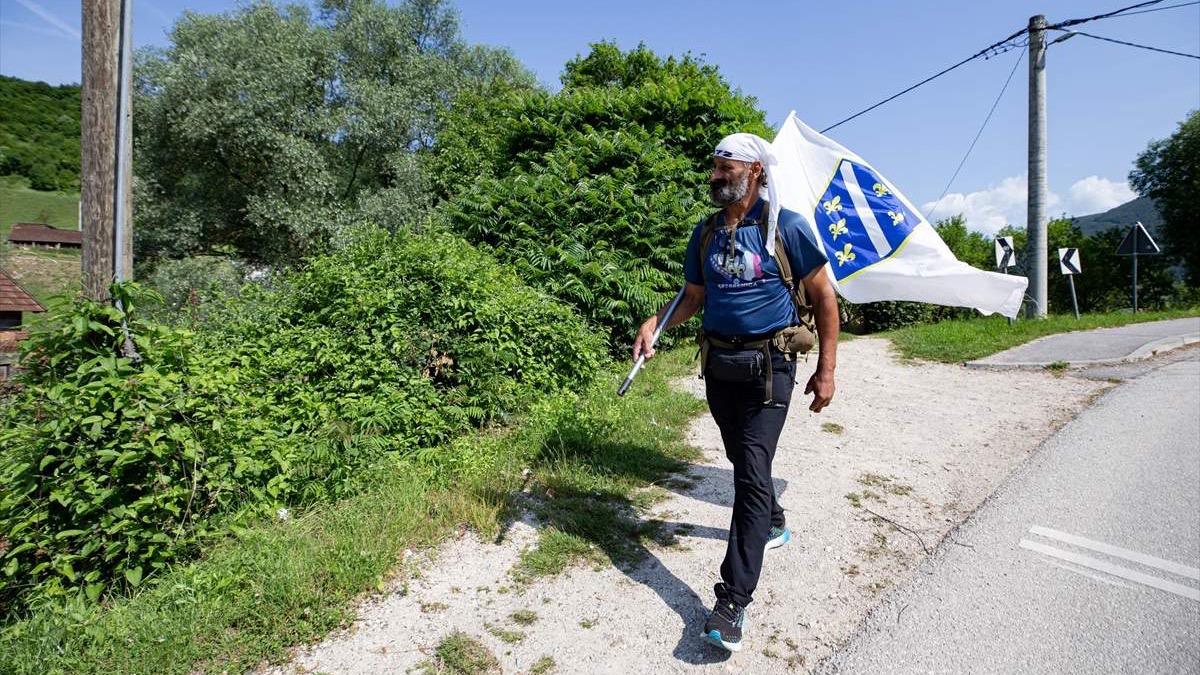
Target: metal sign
<point>1004,253</point>
<point>1138,242</point>
<point>1068,261</point>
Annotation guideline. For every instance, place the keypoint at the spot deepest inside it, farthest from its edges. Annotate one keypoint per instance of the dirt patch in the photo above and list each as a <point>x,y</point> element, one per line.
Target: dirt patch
<point>905,453</point>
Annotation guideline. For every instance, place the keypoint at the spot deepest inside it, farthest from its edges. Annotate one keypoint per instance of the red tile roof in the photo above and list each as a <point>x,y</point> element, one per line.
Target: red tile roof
<point>39,233</point>
<point>13,298</point>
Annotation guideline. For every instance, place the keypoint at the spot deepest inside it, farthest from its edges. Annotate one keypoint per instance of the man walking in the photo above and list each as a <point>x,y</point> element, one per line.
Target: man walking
<point>748,363</point>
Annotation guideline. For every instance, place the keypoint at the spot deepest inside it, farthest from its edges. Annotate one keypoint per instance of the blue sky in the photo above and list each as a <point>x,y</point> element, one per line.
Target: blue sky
<point>827,61</point>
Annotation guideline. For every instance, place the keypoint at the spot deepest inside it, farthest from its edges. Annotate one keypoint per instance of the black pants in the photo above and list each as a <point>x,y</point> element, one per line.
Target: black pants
<point>750,431</point>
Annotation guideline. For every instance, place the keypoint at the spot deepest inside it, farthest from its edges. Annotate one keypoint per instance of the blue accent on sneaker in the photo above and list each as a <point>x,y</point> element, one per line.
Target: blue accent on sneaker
<point>779,537</point>
<point>714,637</point>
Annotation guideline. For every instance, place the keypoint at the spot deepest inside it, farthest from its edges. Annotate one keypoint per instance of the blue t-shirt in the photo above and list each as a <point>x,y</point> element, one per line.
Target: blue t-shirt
<point>744,294</point>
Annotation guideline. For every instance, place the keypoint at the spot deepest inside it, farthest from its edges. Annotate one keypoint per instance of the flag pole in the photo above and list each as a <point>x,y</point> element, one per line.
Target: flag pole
<point>654,338</point>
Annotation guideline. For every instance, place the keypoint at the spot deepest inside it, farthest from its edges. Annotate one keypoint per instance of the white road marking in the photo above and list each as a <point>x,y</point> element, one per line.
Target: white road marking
<point>1115,570</point>
<point>1118,552</point>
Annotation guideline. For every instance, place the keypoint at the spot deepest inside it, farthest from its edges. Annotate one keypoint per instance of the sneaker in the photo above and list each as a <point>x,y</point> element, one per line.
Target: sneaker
<point>724,625</point>
<point>779,536</point>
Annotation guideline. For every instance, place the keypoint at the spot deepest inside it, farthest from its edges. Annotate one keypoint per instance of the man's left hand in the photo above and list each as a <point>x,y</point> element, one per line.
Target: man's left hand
<point>820,385</point>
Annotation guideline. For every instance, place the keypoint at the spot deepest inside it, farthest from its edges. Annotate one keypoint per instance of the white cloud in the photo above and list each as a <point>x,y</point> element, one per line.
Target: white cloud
<point>66,29</point>
<point>989,210</point>
<point>1095,195</point>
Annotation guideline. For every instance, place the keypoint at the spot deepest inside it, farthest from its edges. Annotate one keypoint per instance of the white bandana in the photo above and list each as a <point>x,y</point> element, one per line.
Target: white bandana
<point>751,148</point>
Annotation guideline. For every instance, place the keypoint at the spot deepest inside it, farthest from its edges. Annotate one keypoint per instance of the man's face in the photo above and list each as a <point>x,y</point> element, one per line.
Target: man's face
<point>729,181</point>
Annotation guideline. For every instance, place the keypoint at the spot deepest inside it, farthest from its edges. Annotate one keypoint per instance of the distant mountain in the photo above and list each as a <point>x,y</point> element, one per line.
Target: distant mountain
<point>1124,216</point>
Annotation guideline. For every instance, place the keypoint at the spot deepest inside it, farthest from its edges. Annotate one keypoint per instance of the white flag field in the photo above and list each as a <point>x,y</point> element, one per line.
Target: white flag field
<point>879,245</point>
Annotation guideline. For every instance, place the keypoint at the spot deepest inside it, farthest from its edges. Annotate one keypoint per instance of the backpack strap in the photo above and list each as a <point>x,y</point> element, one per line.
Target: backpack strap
<point>804,313</point>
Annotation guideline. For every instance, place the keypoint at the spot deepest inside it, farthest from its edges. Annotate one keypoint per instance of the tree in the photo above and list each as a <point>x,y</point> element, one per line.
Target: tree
<point>1169,173</point>
<point>264,130</point>
<point>592,193</point>
<point>1106,282</point>
<point>969,246</point>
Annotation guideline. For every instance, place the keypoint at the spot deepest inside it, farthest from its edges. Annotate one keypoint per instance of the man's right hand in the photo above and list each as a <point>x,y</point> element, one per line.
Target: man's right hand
<point>643,344</point>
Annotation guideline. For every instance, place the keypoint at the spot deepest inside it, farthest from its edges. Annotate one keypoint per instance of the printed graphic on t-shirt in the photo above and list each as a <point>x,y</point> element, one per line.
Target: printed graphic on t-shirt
<point>743,269</point>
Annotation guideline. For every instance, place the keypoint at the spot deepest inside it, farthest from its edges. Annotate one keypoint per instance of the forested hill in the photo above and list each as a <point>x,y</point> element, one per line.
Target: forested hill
<point>1124,216</point>
<point>39,133</point>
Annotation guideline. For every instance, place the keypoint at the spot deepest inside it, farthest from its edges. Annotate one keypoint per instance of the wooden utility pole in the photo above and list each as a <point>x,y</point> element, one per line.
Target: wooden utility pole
<point>106,177</point>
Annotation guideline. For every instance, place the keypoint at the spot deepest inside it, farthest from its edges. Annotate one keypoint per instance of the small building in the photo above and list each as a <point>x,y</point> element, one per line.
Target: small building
<point>14,302</point>
<point>41,234</point>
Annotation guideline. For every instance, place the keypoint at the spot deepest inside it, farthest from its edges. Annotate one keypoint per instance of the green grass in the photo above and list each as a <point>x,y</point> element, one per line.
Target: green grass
<point>19,204</point>
<point>524,617</point>
<point>461,654</point>
<point>958,341</point>
<point>279,584</point>
<point>590,484</point>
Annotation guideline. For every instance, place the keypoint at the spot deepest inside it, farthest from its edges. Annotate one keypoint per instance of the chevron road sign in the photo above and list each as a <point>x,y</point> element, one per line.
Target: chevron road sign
<point>1068,261</point>
<point>1005,257</point>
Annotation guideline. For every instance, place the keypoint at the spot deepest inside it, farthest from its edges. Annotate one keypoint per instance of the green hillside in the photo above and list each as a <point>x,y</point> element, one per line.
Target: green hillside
<point>19,204</point>
<point>1141,209</point>
<point>39,133</point>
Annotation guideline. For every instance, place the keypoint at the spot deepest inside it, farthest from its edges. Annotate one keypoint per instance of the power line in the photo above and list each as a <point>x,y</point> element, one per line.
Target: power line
<point>1003,46</point>
<point>986,51</point>
<point>1106,15</point>
<point>1161,9</point>
<point>987,119</point>
<point>1130,44</point>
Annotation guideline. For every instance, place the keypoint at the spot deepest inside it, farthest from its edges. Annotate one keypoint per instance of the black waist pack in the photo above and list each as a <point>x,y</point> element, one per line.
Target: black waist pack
<point>735,365</point>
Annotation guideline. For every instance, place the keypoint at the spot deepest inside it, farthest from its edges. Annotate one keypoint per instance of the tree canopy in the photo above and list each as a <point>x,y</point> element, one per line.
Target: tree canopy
<point>591,193</point>
<point>1169,173</point>
<point>261,130</point>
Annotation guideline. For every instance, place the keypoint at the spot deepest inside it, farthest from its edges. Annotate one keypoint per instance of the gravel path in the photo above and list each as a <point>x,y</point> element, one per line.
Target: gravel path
<point>919,445</point>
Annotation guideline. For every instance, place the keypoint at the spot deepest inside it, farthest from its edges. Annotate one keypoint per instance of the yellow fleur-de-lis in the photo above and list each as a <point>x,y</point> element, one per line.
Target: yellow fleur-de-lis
<point>897,218</point>
<point>832,205</point>
<point>880,190</point>
<point>838,228</point>
<point>844,256</point>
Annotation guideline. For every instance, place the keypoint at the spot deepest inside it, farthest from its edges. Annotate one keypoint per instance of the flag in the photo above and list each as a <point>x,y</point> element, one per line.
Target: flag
<point>879,245</point>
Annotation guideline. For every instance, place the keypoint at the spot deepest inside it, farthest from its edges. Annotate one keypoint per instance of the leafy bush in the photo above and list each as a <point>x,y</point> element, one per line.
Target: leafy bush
<point>111,467</point>
<point>186,285</point>
<point>591,193</point>
<point>421,336</point>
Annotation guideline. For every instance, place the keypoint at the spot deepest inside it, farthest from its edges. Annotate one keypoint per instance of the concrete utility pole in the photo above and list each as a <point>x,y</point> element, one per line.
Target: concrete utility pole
<point>106,177</point>
<point>1035,223</point>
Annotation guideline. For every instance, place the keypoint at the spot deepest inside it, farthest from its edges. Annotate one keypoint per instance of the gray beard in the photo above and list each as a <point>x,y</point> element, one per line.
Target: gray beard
<point>727,193</point>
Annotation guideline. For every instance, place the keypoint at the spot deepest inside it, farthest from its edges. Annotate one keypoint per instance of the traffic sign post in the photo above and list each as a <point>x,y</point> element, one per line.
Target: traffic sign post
<point>1068,263</point>
<point>1138,240</point>
<point>1005,257</point>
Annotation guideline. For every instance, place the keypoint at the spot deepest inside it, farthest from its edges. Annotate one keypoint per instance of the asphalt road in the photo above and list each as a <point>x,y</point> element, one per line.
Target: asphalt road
<point>1085,561</point>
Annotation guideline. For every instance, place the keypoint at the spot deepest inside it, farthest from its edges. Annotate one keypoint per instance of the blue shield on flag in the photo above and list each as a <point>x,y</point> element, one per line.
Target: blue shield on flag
<point>860,220</point>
